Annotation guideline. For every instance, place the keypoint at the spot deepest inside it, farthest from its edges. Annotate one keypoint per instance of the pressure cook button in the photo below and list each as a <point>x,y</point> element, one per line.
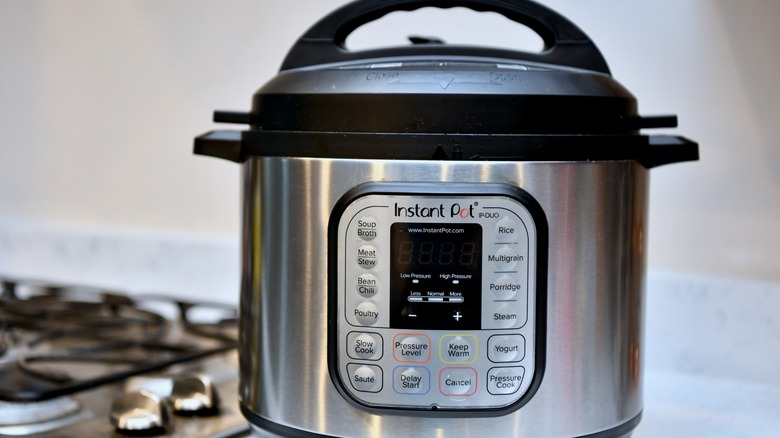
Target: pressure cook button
<point>411,348</point>
<point>364,346</point>
<point>504,381</point>
<point>506,230</point>
<point>506,348</point>
<point>411,380</point>
<point>505,288</point>
<point>367,285</point>
<point>458,381</point>
<point>367,313</point>
<point>458,349</point>
<point>365,378</point>
<point>368,228</point>
<point>367,256</point>
<point>505,259</point>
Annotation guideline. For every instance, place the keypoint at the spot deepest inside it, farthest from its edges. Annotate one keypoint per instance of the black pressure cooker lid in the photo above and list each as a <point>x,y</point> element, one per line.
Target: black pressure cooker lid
<point>436,101</point>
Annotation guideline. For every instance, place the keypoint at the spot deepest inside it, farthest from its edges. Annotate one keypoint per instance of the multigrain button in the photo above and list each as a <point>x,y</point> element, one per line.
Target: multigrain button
<point>411,348</point>
<point>506,348</point>
<point>411,380</point>
<point>365,378</point>
<point>367,256</point>
<point>367,313</point>
<point>367,285</point>
<point>505,259</point>
<point>504,381</point>
<point>367,228</point>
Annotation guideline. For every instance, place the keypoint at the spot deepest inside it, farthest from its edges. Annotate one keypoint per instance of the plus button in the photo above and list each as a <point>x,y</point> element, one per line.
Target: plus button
<point>457,316</point>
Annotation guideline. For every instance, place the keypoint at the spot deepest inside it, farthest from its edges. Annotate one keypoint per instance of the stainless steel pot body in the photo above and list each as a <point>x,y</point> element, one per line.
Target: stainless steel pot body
<point>592,381</point>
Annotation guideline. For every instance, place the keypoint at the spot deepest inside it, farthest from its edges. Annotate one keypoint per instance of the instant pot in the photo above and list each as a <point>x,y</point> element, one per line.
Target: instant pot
<point>442,240</point>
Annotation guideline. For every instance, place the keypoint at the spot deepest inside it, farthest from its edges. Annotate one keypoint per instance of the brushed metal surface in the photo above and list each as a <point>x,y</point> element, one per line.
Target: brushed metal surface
<point>596,213</point>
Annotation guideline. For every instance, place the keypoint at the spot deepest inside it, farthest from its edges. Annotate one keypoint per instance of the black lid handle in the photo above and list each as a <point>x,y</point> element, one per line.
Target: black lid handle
<point>564,43</point>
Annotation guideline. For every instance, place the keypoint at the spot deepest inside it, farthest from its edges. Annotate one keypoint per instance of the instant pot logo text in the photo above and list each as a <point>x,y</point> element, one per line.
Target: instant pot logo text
<point>451,211</point>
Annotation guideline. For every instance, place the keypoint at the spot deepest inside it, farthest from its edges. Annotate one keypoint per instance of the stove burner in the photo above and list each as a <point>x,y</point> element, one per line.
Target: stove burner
<point>57,340</point>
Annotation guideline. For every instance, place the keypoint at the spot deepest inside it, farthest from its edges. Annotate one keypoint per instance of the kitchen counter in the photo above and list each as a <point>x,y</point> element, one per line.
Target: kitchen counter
<point>681,405</point>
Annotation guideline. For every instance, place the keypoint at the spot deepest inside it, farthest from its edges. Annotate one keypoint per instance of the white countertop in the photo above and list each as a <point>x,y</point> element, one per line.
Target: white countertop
<point>682,405</point>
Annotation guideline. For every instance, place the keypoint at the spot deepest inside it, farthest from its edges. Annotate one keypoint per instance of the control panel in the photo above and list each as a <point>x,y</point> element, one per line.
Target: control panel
<point>435,300</point>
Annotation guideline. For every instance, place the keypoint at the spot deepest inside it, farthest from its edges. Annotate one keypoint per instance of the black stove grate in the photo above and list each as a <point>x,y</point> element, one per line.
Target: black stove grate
<point>58,340</point>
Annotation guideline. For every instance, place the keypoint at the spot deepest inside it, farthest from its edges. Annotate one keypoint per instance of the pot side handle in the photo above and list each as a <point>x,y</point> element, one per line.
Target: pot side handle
<point>564,43</point>
<point>668,149</point>
<point>225,144</point>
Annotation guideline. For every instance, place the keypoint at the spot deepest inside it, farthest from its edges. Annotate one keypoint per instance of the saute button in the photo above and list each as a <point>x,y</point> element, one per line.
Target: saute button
<point>504,381</point>
<point>367,313</point>
<point>368,228</point>
<point>506,230</point>
<point>411,380</point>
<point>364,346</point>
<point>458,381</point>
<point>506,348</point>
<point>367,285</point>
<point>367,256</point>
<point>365,378</point>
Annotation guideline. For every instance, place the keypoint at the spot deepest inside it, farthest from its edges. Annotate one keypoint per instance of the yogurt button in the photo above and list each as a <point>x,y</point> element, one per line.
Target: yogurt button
<point>506,348</point>
<point>367,313</point>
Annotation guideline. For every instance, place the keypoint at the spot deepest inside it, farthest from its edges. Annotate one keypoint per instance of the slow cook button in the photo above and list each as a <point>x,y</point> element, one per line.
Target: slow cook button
<point>458,381</point>
<point>506,348</point>
<point>411,348</point>
<point>504,381</point>
<point>367,256</point>
<point>411,380</point>
<point>367,285</point>
<point>365,378</point>
<point>367,313</point>
<point>368,228</point>
<point>364,346</point>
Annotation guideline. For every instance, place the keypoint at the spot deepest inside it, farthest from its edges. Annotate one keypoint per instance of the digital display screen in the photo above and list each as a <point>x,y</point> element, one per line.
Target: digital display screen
<point>435,276</point>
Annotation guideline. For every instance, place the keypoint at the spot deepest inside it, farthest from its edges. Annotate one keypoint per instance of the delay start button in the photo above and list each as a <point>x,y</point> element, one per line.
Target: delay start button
<point>411,380</point>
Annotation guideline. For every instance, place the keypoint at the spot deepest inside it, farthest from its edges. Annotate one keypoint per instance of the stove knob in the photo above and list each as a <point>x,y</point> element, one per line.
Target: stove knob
<point>140,412</point>
<point>194,395</point>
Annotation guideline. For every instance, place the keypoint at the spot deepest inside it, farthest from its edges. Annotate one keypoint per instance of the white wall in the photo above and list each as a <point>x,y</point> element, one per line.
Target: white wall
<point>99,102</point>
